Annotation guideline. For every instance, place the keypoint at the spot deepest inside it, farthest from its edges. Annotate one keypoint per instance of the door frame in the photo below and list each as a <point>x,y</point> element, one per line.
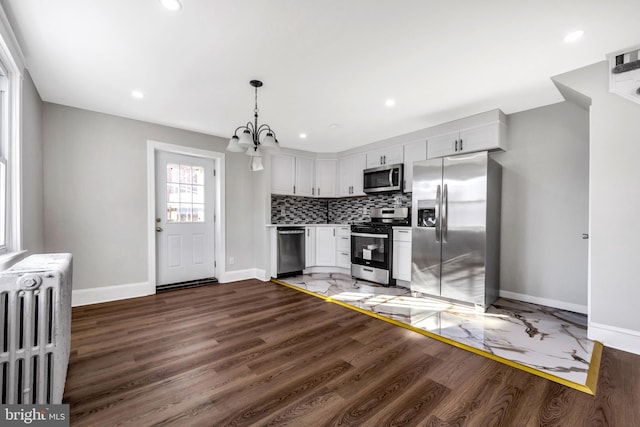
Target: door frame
<point>218,226</point>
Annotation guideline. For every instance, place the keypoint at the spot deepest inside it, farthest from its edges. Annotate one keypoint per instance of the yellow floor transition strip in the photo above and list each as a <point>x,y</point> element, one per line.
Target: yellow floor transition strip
<point>594,364</point>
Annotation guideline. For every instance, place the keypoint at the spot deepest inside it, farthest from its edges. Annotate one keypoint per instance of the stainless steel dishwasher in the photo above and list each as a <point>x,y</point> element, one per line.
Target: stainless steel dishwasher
<point>291,254</point>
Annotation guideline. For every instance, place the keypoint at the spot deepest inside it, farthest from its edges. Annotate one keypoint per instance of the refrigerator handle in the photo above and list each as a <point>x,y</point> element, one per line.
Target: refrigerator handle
<point>445,213</point>
<point>438,194</point>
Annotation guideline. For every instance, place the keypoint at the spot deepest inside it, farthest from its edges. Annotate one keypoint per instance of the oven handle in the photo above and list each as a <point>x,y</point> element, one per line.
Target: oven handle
<point>375,236</point>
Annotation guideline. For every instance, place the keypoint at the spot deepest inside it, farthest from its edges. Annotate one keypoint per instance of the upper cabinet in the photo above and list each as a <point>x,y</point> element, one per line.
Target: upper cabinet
<point>350,178</point>
<point>291,175</point>
<point>486,131</point>
<point>325,178</point>
<point>385,156</point>
<point>413,151</point>
<point>283,174</point>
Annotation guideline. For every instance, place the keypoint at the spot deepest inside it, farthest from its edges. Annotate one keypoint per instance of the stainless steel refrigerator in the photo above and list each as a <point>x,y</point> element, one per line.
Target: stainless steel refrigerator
<point>456,228</point>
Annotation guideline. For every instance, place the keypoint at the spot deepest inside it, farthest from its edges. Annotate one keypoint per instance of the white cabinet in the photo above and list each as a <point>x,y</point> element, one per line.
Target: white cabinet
<point>402,254</point>
<point>486,131</point>
<point>304,177</point>
<point>350,177</point>
<point>310,247</point>
<point>283,173</point>
<point>291,175</point>
<point>343,247</point>
<point>413,151</point>
<point>325,178</point>
<point>385,156</point>
<point>325,246</point>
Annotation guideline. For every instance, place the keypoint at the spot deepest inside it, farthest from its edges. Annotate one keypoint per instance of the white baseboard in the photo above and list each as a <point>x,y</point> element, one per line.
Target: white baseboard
<point>110,293</point>
<point>249,273</point>
<point>562,305</point>
<point>613,336</point>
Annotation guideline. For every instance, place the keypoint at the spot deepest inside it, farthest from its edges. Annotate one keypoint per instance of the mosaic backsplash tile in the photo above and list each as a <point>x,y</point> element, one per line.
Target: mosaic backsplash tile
<point>307,210</point>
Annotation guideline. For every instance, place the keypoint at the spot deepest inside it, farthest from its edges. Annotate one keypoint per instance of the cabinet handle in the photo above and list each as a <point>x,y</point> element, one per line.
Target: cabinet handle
<point>460,144</point>
<point>334,232</point>
<point>402,231</point>
<point>313,191</point>
<point>294,189</point>
<point>381,160</point>
<point>385,159</point>
<point>456,149</point>
<point>318,191</point>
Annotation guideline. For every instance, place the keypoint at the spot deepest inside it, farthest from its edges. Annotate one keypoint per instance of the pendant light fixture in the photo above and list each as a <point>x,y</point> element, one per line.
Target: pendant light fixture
<point>249,139</point>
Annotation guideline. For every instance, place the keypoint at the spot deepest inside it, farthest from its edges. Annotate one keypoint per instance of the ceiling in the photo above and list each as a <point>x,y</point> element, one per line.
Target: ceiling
<point>327,66</point>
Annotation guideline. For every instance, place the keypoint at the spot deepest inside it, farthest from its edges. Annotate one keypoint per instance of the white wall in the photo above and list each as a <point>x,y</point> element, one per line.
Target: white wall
<point>95,194</point>
<point>545,206</point>
<point>32,173</point>
<point>614,176</point>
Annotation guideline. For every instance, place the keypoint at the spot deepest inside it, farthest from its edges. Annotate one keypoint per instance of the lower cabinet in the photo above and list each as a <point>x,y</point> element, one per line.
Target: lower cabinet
<point>325,246</point>
<point>343,247</point>
<point>402,254</point>
<point>310,246</point>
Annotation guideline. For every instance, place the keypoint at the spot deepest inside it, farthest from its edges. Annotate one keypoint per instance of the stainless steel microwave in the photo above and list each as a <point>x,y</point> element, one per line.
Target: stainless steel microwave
<point>383,179</point>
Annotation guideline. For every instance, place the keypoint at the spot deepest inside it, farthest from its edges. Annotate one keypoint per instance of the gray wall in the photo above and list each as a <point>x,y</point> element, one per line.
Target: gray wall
<point>545,203</point>
<point>614,203</point>
<point>32,173</point>
<point>95,193</point>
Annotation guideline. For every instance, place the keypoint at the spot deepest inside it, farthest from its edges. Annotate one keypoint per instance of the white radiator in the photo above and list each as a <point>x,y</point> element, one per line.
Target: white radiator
<point>35,329</point>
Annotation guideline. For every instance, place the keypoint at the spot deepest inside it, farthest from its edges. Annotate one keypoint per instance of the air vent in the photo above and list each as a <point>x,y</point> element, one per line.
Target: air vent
<point>624,75</point>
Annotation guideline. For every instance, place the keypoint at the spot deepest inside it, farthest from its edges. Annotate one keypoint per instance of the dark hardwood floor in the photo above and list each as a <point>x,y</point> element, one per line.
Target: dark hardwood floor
<point>254,353</point>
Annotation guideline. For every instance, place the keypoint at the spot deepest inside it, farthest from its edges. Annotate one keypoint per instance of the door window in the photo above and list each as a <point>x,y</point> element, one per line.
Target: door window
<point>185,193</point>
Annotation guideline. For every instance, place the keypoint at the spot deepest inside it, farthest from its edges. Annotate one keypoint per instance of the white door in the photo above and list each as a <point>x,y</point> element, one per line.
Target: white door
<point>185,194</point>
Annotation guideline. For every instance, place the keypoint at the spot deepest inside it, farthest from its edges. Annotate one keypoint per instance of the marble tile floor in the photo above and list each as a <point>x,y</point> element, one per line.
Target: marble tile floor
<point>551,342</point>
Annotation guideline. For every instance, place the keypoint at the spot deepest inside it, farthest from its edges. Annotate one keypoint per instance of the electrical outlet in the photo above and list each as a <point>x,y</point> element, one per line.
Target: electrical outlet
<point>282,212</point>
<point>232,260</point>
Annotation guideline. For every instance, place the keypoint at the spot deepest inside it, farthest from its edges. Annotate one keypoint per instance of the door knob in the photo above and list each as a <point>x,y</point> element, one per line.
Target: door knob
<point>585,236</point>
<point>158,229</point>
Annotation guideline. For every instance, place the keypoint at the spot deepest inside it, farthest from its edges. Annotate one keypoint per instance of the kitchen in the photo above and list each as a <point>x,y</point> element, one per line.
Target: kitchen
<point>331,216</point>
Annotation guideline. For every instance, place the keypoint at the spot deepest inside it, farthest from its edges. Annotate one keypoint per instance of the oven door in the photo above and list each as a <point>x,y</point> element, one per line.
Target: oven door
<point>371,249</point>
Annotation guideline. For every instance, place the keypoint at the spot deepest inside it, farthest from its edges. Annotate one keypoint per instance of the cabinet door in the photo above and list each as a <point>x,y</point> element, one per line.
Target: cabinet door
<point>343,259</point>
<point>310,246</point>
<point>442,145</point>
<point>304,176</point>
<point>385,156</point>
<point>283,173</point>
<point>480,138</point>
<point>393,155</point>
<point>325,246</point>
<point>413,152</point>
<point>402,260</point>
<point>350,177</point>
<point>325,178</point>
<point>358,165</point>
<point>344,177</point>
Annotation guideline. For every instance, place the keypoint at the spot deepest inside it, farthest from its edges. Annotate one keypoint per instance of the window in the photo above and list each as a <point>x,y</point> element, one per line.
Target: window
<point>4,150</point>
<point>11,66</point>
<point>185,193</point>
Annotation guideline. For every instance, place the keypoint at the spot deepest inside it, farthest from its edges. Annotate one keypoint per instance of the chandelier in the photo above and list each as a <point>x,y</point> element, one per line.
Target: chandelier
<point>249,140</point>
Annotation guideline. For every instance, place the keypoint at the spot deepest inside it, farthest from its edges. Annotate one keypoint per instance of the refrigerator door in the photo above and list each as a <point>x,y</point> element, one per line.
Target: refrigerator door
<point>425,221</point>
<point>464,207</point>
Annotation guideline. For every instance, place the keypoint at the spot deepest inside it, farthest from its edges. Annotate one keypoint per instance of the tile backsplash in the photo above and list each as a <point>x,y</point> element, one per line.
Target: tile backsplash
<point>307,210</point>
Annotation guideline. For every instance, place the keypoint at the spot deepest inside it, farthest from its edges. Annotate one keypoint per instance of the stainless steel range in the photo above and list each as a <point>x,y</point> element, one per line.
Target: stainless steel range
<point>371,245</point>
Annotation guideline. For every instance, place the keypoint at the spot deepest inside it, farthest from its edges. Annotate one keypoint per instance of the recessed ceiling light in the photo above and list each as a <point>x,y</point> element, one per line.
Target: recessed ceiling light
<point>573,36</point>
<point>137,94</point>
<point>334,125</point>
<point>172,4</point>
<point>303,135</point>
<point>390,102</point>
